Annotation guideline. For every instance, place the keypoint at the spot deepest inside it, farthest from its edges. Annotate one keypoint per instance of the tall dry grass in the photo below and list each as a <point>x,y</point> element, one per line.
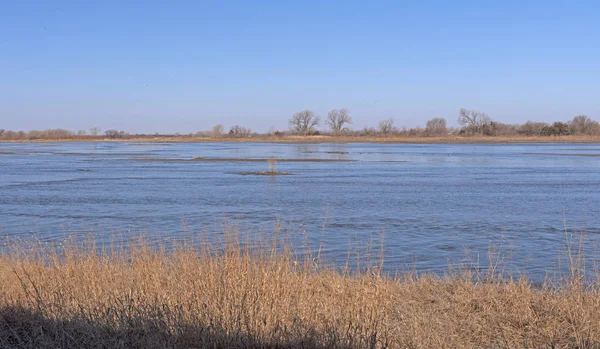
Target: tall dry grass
<point>238,297</point>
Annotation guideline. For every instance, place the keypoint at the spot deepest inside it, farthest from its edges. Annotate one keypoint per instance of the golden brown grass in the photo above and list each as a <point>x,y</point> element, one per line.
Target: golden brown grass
<point>196,298</point>
<point>334,139</point>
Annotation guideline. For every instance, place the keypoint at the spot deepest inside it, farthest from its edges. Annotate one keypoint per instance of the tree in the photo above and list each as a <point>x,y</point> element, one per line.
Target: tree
<point>217,131</point>
<point>336,119</point>
<point>114,134</point>
<point>95,131</point>
<point>2,131</point>
<point>473,121</point>
<point>239,131</point>
<point>386,126</point>
<point>304,122</point>
<point>81,133</point>
<point>369,131</point>
<point>556,129</point>
<point>436,127</point>
<point>532,128</point>
<point>583,125</point>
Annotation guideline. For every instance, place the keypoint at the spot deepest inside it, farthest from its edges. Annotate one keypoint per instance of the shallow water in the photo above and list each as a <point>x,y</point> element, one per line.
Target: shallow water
<point>434,205</point>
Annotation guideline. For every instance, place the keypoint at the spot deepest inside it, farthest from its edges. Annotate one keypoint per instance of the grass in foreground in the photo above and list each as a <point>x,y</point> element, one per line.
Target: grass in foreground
<point>191,298</point>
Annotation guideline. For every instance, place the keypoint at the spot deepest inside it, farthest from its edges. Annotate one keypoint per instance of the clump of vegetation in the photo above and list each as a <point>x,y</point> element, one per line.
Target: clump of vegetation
<point>272,165</point>
<point>272,170</point>
<point>195,297</point>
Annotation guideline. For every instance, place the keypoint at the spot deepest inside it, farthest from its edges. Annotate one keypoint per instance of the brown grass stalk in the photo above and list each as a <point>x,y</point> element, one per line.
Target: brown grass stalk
<point>192,297</point>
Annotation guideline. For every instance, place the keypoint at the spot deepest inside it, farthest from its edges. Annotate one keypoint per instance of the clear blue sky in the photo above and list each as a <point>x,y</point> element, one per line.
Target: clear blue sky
<point>183,66</point>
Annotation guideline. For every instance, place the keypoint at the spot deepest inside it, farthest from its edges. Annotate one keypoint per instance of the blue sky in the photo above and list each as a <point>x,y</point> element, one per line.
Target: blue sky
<point>183,66</point>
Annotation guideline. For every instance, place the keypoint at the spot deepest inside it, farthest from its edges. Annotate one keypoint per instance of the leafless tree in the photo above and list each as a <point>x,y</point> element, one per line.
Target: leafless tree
<point>436,127</point>
<point>57,133</point>
<point>95,131</point>
<point>584,125</point>
<point>556,129</point>
<point>473,121</point>
<point>386,126</point>
<point>532,128</point>
<point>81,133</point>
<point>114,134</point>
<point>304,122</point>
<point>217,131</point>
<point>369,131</point>
<point>2,131</point>
<point>337,119</point>
<point>239,131</point>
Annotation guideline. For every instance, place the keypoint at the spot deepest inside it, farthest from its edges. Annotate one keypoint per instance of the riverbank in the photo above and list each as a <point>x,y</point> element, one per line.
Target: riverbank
<point>325,139</point>
<point>142,297</point>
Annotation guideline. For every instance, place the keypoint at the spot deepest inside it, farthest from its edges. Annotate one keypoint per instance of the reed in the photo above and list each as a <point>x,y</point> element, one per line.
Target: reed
<point>188,296</point>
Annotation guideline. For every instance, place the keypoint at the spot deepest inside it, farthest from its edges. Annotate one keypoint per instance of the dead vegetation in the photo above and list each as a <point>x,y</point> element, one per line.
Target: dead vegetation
<point>191,297</point>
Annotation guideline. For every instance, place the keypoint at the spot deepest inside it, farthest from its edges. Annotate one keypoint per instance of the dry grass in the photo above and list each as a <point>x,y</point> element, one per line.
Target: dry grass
<point>335,139</point>
<point>197,298</point>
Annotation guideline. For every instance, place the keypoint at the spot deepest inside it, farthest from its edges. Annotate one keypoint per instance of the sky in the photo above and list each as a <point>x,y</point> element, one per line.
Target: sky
<point>184,66</point>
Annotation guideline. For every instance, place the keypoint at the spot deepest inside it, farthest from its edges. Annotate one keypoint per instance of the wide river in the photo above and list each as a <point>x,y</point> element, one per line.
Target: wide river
<point>434,205</point>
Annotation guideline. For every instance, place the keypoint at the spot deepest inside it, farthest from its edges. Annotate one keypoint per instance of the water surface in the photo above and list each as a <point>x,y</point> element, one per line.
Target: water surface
<point>433,204</point>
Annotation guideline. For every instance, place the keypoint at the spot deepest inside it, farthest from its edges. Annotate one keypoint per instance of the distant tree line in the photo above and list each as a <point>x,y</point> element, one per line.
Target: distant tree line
<point>338,123</point>
<point>471,123</point>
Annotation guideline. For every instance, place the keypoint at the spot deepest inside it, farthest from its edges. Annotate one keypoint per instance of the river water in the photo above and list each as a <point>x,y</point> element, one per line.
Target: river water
<point>433,205</point>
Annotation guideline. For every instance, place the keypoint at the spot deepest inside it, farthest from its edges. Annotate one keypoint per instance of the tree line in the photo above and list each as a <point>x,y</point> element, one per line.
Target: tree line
<point>471,123</point>
<point>339,123</point>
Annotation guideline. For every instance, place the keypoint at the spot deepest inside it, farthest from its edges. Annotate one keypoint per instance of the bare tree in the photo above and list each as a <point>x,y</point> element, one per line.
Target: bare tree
<point>473,121</point>
<point>386,126</point>
<point>532,128</point>
<point>337,119</point>
<point>114,134</point>
<point>2,131</point>
<point>95,131</point>
<point>239,131</point>
<point>369,131</point>
<point>436,127</point>
<point>584,125</point>
<point>304,122</point>
<point>57,133</point>
<point>556,129</point>
<point>217,131</point>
